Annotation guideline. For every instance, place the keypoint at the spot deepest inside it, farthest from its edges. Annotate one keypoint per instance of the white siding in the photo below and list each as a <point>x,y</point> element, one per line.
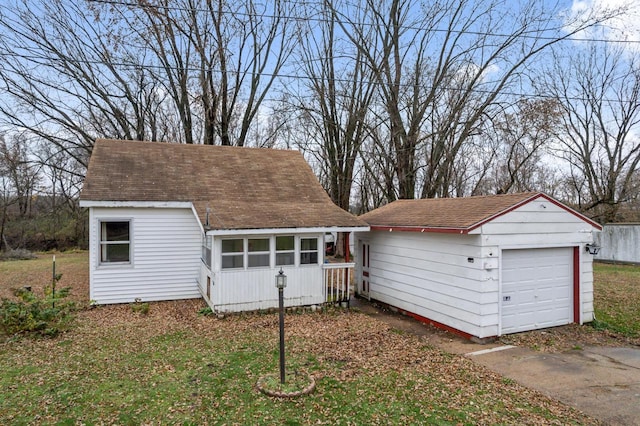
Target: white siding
<point>539,222</point>
<point>430,274</point>
<point>252,289</point>
<point>165,264</point>
<point>535,226</point>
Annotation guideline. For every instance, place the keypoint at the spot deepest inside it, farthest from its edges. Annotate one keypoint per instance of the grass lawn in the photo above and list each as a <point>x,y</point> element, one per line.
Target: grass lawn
<point>173,366</point>
<point>617,298</point>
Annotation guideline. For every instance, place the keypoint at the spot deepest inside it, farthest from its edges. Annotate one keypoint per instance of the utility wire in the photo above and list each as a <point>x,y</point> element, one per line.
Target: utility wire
<point>267,75</point>
<point>325,20</point>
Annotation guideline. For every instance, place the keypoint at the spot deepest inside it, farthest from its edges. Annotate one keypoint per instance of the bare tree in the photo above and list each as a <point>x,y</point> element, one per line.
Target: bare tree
<point>442,69</point>
<point>186,71</point>
<point>516,147</point>
<point>335,106</point>
<point>23,175</point>
<point>599,92</point>
<point>69,77</point>
<point>219,60</point>
<point>19,179</point>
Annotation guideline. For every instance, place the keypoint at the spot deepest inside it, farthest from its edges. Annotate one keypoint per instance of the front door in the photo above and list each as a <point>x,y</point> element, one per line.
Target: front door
<point>364,281</point>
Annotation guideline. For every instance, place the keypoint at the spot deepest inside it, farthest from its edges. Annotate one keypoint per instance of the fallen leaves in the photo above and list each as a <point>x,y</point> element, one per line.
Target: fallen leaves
<point>175,366</point>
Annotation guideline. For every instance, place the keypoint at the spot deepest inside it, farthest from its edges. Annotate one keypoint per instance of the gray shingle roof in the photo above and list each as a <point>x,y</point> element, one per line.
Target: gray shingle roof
<point>244,188</point>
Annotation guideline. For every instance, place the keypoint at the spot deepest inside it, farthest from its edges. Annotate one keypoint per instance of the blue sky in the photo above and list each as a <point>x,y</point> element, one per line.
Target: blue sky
<point>623,28</point>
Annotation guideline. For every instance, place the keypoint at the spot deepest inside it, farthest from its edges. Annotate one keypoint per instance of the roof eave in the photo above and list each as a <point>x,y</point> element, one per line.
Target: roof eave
<point>443,230</point>
<point>299,230</point>
<point>138,204</point>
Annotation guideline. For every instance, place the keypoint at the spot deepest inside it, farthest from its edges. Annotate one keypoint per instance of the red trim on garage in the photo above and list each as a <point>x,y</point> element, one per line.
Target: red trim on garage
<point>576,285</point>
<point>437,324</point>
<point>434,323</point>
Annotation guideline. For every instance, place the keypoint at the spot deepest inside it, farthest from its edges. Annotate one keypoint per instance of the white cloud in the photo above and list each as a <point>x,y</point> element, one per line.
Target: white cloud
<point>625,27</point>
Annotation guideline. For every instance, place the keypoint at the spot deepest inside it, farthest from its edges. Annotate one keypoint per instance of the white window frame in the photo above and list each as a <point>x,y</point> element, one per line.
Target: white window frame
<point>272,253</point>
<point>277,252</point>
<point>103,243</point>
<point>258,253</point>
<point>301,251</point>
<point>235,253</point>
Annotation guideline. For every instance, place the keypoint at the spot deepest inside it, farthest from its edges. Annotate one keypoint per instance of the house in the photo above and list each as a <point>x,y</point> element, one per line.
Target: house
<point>174,221</point>
<point>480,266</point>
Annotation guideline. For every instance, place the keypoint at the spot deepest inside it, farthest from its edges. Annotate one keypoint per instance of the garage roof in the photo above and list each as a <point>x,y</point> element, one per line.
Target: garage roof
<point>240,188</point>
<point>459,215</point>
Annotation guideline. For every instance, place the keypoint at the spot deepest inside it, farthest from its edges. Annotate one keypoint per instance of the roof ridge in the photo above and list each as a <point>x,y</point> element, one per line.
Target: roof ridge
<point>245,187</point>
<point>193,145</point>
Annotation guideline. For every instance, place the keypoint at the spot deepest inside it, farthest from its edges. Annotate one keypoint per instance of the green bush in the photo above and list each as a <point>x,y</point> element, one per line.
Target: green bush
<point>140,307</point>
<point>30,314</point>
<point>206,311</point>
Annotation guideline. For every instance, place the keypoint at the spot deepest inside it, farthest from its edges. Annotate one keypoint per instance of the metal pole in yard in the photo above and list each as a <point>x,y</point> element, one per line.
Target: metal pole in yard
<point>281,303</point>
<point>281,283</point>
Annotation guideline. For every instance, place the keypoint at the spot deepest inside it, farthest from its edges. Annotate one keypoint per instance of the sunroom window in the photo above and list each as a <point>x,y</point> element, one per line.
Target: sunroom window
<point>285,250</point>
<point>258,252</point>
<point>308,251</point>
<point>232,253</point>
<point>115,242</point>
<point>206,250</point>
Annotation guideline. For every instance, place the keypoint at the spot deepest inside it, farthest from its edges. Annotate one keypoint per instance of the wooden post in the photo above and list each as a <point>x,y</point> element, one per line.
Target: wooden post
<point>53,283</point>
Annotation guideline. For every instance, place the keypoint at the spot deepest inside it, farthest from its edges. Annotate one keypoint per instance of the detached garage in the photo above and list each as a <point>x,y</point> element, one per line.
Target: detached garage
<point>480,266</point>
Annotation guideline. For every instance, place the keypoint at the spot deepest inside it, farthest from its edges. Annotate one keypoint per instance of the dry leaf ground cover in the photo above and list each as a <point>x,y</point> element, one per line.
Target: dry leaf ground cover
<point>173,366</point>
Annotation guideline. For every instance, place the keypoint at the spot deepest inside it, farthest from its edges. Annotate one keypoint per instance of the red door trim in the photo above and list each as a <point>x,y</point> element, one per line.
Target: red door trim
<point>576,284</point>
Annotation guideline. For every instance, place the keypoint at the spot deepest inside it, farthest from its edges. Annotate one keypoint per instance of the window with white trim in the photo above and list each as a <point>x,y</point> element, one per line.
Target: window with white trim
<point>308,251</point>
<point>285,250</point>
<point>258,252</point>
<point>115,241</point>
<point>233,253</point>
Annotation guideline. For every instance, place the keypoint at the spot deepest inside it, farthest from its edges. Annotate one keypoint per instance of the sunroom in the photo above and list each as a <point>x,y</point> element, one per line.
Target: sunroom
<point>238,269</point>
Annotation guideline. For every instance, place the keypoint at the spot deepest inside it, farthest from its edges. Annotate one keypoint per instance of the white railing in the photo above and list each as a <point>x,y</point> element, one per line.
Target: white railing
<point>337,282</point>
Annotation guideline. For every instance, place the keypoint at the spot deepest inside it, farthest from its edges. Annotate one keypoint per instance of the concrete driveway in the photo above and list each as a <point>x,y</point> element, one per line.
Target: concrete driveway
<point>603,382</point>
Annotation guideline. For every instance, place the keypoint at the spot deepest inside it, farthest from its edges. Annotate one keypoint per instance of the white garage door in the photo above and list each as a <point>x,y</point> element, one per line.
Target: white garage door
<point>537,288</point>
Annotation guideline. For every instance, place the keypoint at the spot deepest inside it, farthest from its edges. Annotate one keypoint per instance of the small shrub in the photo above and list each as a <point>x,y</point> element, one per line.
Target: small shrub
<point>140,307</point>
<point>44,316</point>
<point>206,311</point>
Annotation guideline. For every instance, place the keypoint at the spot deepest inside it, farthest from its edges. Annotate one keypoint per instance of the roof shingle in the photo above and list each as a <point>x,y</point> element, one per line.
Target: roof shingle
<point>244,188</point>
<point>445,213</point>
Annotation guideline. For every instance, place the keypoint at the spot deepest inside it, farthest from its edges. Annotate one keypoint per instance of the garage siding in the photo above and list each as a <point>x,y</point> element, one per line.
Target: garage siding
<point>166,246</point>
<point>543,224</point>
<point>454,279</point>
<point>437,276</point>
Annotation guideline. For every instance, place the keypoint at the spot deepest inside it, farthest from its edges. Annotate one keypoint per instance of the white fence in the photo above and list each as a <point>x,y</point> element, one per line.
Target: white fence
<point>619,242</point>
